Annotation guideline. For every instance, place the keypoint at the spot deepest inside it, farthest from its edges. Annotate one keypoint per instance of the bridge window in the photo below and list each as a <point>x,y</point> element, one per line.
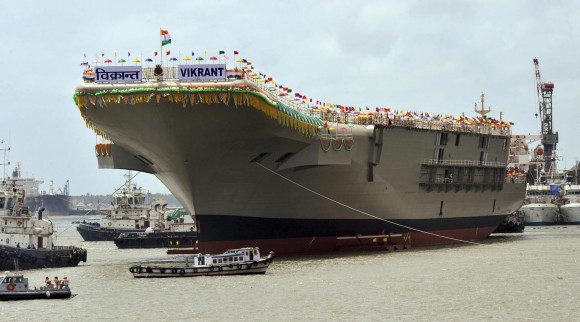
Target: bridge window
<point>457,138</point>
<point>442,138</point>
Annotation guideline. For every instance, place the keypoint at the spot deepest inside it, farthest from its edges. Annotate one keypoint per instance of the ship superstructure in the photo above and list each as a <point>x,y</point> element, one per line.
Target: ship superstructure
<point>262,167</point>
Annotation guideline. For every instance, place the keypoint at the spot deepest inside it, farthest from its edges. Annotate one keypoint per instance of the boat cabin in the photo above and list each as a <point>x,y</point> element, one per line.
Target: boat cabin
<point>13,282</point>
<point>229,257</point>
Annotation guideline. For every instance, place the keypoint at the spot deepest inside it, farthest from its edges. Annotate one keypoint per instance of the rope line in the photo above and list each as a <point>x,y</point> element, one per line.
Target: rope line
<point>367,214</point>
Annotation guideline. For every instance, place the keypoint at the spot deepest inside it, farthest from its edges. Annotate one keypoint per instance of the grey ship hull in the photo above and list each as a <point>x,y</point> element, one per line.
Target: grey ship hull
<point>252,181</point>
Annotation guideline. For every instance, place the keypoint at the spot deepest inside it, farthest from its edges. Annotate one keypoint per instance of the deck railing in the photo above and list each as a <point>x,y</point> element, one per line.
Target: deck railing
<point>338,118</point>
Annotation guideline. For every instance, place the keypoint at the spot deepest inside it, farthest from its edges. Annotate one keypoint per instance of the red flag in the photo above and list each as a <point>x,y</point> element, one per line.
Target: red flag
<point>155,53</point>
<point>164,32</point>
<point>168,52</point>
<point>235,52</point>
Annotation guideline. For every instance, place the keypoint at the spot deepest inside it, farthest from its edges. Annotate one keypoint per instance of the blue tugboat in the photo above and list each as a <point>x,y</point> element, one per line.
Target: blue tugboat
<point>179,232</point>
<point>27,242</point>
<point>14,286</point>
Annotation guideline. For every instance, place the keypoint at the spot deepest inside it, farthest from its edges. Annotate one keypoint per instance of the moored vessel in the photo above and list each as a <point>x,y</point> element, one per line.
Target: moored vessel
<point>241,261</point>
<point>570,208</point>
<point>260,166</point>
<point>540,206</point>
<point>14,286</point>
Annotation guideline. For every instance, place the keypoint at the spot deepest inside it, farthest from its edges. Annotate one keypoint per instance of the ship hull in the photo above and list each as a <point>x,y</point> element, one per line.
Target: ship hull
<point>54,205</point>
<point>35,295</point>
<point>304,235</point>
<point>12,258</point>
<point>540,214</point>
<point>253,180</point>
<point>570,213</point>
<point>157,240</point>
<point>97,233</point>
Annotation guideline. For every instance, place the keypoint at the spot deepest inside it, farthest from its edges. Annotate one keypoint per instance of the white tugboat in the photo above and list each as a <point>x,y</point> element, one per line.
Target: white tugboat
<point>245,260</point>
<point>130,213</point>
<point>27,242</point>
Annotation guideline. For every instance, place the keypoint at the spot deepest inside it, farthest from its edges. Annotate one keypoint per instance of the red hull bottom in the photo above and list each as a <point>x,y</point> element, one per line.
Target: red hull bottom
<point>346,243</point>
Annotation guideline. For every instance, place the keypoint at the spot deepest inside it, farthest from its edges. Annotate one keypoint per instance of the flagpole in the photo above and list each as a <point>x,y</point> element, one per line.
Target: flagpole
<point>160,48</point>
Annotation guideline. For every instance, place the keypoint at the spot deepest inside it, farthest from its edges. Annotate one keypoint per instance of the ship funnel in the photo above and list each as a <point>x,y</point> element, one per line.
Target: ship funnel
<point>40,213</point>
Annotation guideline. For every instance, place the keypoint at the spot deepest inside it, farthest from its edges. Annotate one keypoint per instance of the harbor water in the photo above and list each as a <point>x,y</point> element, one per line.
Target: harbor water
<point>533,276</point>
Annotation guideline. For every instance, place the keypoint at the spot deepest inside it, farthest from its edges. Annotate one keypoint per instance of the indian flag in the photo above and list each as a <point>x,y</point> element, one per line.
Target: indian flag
<point>165,37</point>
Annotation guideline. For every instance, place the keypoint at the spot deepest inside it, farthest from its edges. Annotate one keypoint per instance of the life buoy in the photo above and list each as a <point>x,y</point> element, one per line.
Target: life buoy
<point>7,240</point>
<point>231,266</point>
<point>19,223</point>
<point>255,263</point>
<point>162,270</point>
<point>110,224</point>
<point>181,272</point>
<point>211,268</point>
<point>174,270</point>
<point>11,287</point>
<point>132,270</point>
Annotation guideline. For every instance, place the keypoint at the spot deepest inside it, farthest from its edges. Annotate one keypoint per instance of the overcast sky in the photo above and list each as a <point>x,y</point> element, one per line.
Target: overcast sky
<point>432,56</point>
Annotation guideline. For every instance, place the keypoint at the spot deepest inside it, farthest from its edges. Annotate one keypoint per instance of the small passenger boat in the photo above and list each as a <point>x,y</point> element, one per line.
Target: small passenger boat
<point>245,260</point>
<point>14,286</point>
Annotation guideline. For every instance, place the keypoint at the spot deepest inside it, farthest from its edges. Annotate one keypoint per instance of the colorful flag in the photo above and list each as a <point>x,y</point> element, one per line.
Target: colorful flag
<point>222,52</point>
<point>235,52</point>
<point>168,52</point>
<point>155,53</point>
<point>192,54</point>
<point>128,54</point>
<point>165,37</point>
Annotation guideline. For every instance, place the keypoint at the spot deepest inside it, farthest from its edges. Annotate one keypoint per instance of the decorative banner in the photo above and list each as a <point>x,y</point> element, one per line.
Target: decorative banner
<point>202,72</point>
<point>118,74</point>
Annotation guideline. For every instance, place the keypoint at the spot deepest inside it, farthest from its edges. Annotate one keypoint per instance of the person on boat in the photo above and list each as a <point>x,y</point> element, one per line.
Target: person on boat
<point>48,282</point>
<point>56,282</point>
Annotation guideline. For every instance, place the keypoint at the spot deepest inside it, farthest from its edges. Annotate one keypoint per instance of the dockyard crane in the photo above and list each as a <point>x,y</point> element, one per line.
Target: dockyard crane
<point>549,138</point>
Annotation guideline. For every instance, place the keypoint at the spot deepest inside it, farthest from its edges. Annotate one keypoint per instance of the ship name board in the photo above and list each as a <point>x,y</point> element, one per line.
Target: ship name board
<point>118,74</point>
<point>202,72</point>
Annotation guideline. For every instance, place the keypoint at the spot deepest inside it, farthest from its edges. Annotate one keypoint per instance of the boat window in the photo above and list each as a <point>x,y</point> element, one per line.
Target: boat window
<point>2,202</point>
<point>130,201</point>
<point>10,203</point>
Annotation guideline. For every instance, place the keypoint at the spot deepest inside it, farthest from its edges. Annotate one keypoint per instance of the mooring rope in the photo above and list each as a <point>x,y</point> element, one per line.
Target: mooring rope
<point>367,214</point>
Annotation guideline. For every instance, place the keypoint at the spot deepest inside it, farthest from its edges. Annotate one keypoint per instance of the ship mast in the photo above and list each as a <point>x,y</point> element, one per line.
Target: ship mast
<point>5,162</point>
<point>483,110</point>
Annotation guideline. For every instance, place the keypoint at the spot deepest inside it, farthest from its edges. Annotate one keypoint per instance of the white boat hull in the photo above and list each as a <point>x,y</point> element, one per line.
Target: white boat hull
<point>570,213</point>
<point>539,214</point>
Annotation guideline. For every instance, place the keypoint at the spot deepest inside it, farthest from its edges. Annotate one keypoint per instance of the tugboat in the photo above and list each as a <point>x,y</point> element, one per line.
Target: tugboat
<point>245,260</point>
<point>130,214</point>
<point>15,287</point>
<point>179,232</point>
<point>27,242</point>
